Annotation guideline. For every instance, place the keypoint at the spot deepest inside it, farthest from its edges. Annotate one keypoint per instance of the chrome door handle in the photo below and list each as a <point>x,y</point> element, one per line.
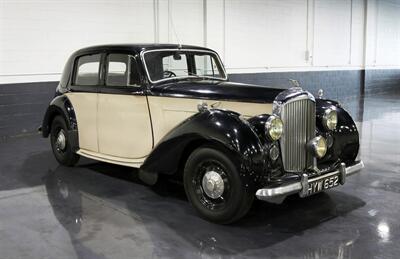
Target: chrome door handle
<point>215,105</point>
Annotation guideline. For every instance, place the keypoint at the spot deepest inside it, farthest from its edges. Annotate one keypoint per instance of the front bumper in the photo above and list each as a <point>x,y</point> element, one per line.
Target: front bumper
<point>278,194</point>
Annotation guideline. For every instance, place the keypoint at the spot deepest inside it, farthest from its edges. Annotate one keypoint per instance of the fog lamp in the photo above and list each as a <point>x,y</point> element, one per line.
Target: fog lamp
<point>317,146</point>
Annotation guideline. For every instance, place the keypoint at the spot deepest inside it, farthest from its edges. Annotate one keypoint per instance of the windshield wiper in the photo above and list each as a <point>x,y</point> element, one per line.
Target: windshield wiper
<point>204,77</point>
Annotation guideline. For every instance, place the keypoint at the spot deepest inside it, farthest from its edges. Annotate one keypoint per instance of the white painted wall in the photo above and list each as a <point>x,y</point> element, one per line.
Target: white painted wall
<point>261,34</point>
<point>37,36</point>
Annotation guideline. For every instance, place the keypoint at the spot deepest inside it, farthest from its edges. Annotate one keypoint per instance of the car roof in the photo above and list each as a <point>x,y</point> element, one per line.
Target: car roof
<point>137,47</point>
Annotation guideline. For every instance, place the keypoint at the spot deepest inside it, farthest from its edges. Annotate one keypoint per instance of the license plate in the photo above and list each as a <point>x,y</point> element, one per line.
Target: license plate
<point>323,184</point>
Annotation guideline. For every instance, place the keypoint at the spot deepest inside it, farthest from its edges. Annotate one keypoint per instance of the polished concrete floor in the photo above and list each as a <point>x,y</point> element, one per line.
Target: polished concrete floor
<point>97,210</point>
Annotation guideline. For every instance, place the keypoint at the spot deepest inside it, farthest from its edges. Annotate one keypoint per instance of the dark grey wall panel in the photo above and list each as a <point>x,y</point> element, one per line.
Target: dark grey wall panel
<point>336,84</point>
<point>345,86</point>
<point>382,80</point>
<point>22,107</point>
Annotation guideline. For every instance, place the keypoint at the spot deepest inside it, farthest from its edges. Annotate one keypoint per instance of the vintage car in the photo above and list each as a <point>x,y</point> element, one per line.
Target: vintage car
<point>170,109</point>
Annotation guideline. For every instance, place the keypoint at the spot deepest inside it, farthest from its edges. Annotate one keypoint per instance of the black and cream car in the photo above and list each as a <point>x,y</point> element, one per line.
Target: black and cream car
<point>170,109</point>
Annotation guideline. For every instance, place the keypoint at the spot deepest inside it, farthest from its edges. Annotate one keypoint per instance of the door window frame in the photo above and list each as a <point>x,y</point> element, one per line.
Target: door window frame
<point>86,88</point>
<point>128,89</point>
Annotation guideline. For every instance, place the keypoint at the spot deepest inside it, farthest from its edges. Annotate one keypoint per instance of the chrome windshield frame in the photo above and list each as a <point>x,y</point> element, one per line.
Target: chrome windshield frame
<point>212,53</point>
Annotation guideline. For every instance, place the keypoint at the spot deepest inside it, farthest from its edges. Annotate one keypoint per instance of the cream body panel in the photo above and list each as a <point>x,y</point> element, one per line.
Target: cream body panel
<point>85,107</point>
<point>168,112</point>
<point>124,127</point>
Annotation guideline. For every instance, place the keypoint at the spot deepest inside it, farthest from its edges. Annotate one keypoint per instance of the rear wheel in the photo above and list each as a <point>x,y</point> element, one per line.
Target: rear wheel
<point>60,143</point>
<point>214,187</point>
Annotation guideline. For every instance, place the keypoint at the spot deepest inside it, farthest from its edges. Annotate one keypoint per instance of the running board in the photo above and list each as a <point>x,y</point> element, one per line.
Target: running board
<point>136,163</point>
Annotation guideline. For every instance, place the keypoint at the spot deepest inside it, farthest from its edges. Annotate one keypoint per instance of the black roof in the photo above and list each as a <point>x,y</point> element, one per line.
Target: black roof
<point>138,47</point>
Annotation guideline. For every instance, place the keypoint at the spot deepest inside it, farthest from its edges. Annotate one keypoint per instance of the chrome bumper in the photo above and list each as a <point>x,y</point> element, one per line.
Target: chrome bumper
<point>278,194</point>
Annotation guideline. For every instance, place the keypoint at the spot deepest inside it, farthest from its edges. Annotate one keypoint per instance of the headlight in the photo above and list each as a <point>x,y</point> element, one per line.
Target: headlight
<point>274,127</point>
<point>317,146</point>
<point>330,119</point>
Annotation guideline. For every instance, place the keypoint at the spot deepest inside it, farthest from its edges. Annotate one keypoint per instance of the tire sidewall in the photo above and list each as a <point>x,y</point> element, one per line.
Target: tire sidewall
<point>67,157</point>
<point>234,204</point>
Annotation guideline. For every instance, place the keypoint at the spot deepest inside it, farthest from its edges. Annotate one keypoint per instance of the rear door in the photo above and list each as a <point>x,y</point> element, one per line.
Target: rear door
<point>83,96</point>
<point>124,127</point>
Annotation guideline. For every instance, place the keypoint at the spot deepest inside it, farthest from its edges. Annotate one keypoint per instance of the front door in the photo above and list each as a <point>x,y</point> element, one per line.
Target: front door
<point>123,119</point>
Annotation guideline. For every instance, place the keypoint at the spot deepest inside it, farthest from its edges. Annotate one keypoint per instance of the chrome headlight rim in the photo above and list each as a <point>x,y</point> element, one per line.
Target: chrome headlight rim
<point>330,122</point>
<point>271,131</point>
<point>318,146</point>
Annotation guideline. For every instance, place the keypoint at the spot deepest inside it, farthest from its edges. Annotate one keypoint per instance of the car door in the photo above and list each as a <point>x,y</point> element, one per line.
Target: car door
<point>123,119</point>
<point>83,96</point>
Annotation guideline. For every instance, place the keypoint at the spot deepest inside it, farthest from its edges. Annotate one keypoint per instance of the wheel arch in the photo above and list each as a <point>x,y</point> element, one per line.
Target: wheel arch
<point>61,106</point>
<point>221,129</point>
<point>196,144</point>
<point>346,139</point>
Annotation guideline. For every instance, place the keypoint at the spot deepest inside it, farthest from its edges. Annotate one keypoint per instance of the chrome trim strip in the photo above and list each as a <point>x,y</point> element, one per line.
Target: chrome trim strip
<point>302,96</point>
<point>269,194</point>
<point>194,50</point>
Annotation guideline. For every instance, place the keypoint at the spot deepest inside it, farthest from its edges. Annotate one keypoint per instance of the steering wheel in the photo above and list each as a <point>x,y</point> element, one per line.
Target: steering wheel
<point>168,74</point>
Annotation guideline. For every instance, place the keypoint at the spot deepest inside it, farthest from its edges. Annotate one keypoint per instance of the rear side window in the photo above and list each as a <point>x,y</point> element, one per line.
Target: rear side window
<point>87,70</point>
<point>122,70</point>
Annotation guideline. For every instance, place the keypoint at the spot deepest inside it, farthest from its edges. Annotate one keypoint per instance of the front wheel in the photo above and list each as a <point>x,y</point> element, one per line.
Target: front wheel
<point>214,187</point>
<point>60,143</point>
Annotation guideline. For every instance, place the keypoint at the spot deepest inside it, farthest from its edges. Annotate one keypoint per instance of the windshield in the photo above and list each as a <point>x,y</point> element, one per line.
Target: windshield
<point>169,64</point>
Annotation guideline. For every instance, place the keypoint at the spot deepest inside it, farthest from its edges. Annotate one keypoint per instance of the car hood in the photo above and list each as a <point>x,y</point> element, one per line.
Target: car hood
<point>217,90</point>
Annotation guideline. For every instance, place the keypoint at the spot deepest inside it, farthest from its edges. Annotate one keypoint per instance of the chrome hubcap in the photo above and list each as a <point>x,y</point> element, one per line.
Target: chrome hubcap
<point>61,141</point>
<point>213,184</point>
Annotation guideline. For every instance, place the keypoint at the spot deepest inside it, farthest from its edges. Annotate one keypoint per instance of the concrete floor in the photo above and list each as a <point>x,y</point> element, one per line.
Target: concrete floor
<point>97,210</point>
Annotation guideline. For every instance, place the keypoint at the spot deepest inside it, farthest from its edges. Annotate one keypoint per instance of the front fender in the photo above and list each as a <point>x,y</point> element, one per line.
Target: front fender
<point>345,137</point>
<point>221,128</point>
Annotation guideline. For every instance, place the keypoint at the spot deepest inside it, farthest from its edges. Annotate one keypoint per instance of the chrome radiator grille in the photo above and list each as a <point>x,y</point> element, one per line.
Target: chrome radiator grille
<point>298,118</point>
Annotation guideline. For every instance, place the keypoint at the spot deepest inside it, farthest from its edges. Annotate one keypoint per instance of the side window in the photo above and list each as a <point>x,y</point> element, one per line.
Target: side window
<point>122,70</point>
<point>87,70</point>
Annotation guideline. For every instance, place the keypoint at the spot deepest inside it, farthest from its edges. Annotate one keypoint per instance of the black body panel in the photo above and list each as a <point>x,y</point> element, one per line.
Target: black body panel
<point>61,105</point>
<point>273,169</point>
<point>216,90</point>
<point>221,129</point>
<point>226,130</point>
<point>345,136</point>
<point>258,125</point>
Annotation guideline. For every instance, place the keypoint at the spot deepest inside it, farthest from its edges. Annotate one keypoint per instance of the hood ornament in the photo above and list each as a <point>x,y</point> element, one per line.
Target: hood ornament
<point>320,93</point>
<point>295,83</point>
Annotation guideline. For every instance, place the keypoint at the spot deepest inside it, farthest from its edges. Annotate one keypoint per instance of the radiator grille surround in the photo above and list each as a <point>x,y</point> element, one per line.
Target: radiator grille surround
<point>298,116</point>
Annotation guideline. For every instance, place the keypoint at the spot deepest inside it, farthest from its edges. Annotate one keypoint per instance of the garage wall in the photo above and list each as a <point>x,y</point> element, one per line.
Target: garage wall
<point>382,57</point>
<point>22,107</point>
<point>252,36</point>
<point>38,36</point>
<point>346,47</point>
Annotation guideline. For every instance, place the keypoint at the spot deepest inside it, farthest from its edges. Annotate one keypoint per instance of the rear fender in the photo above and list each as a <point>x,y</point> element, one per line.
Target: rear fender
<point>62,106</point>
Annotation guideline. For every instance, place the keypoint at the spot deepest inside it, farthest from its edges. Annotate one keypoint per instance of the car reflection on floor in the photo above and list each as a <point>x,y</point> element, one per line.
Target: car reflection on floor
<point>161,215</point>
